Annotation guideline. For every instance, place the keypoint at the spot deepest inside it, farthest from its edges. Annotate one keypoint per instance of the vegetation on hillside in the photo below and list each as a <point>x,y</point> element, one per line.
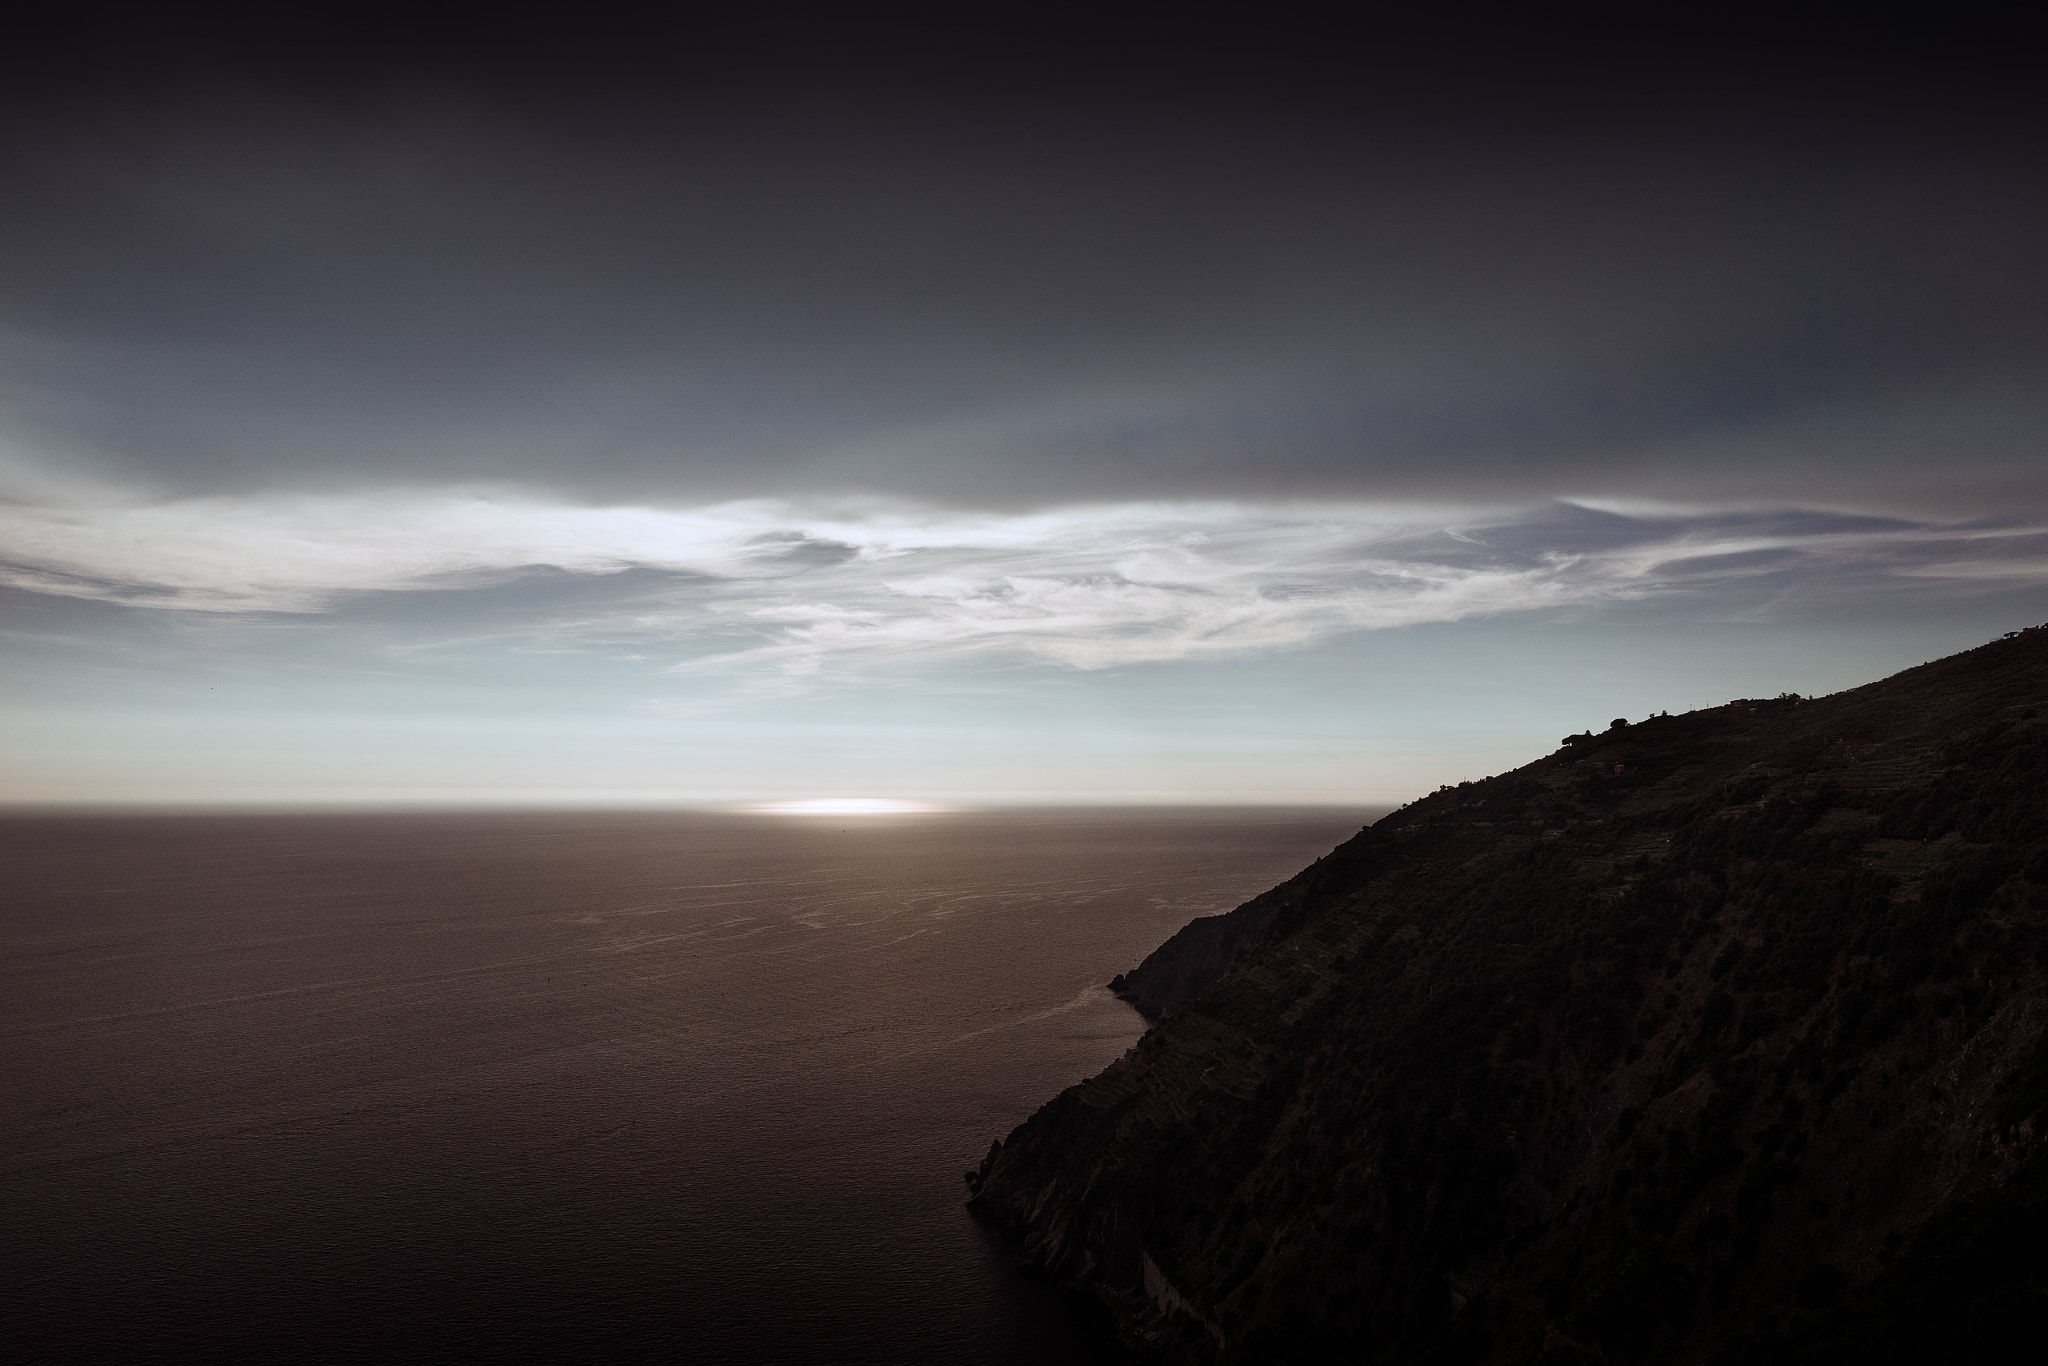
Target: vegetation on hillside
<point>1710,1037</point>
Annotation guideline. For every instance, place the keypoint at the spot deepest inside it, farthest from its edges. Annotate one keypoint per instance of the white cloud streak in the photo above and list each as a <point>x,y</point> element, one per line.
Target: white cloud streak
<point>801,590</point>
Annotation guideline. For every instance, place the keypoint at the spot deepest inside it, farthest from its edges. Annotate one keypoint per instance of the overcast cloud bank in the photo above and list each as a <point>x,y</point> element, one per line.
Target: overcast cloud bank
<point>802,589</point>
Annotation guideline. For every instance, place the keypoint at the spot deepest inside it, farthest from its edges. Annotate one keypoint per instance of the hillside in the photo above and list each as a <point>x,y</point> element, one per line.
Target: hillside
<point>1713,1037</point>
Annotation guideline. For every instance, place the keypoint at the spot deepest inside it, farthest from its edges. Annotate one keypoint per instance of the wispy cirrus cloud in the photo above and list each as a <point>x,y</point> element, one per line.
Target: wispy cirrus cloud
<point>801,590</point>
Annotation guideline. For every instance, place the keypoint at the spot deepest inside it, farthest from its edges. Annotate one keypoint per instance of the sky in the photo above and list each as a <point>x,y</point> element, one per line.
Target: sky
<point>1107,404</point>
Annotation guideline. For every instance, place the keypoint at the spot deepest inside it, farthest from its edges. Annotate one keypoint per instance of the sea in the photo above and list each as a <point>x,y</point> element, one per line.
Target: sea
<point>595,1086</point>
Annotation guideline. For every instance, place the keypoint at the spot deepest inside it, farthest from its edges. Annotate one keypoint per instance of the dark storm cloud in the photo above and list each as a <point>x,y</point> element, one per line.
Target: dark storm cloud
<point>1180,277</point>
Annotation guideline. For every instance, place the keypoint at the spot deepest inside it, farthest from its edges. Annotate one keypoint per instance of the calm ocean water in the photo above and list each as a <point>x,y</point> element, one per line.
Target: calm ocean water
<point>605,1086</point>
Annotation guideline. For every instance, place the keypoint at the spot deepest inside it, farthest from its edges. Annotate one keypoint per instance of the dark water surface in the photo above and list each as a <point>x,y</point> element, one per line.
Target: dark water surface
<point>599,1085</point>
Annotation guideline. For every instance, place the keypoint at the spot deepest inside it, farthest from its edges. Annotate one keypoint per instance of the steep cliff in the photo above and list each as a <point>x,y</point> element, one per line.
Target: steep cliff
<point>1712,1037</point>
<point>1182,968</point>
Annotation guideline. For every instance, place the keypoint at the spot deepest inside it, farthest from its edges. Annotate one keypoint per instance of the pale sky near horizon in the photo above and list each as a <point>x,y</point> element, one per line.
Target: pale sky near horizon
<point>761,418</point>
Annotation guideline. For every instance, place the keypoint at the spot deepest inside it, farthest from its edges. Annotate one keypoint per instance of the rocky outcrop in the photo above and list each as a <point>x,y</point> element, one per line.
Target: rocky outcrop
<point>1184,966</point>
<point>1713,1038</point>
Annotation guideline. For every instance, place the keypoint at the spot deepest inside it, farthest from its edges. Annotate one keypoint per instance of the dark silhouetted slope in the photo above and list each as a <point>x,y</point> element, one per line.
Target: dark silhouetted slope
<point>1716,1037</point>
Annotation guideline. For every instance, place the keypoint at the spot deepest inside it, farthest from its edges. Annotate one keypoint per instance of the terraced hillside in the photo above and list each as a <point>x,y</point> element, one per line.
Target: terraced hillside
<point>1710,1037</point>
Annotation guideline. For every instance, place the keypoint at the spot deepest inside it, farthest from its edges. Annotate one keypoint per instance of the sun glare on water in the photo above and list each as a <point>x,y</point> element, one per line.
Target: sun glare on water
<point>845,806</point>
